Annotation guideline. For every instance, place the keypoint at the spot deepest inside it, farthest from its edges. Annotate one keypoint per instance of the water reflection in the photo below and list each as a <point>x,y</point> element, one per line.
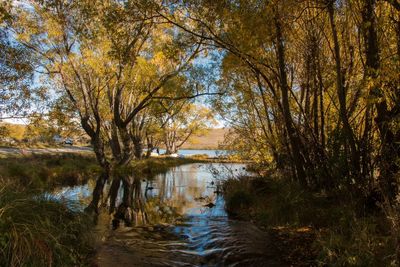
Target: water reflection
<point>180,220</point>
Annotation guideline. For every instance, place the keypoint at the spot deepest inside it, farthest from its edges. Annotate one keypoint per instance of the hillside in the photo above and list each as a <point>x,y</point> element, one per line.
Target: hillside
<point>211,140</point>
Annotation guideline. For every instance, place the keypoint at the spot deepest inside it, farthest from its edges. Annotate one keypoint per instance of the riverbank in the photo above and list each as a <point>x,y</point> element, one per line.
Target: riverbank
<point>47,171</point>
<point>35,229</point>
<point>38,231</point>
<point>312,229</point>
<point>59,168</point>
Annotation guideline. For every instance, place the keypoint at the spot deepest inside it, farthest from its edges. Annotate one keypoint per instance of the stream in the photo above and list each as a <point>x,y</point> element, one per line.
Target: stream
<point>182,222</point>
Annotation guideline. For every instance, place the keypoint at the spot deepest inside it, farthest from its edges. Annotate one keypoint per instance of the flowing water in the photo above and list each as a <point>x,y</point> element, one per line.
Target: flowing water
<point>182,222</point>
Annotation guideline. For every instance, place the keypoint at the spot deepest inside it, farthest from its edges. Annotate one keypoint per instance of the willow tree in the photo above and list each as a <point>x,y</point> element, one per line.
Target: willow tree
<point>383,84</point>
<point>112,59</point>
<point>305,83</point>
<point>261,50</point>
<point>17,65</point>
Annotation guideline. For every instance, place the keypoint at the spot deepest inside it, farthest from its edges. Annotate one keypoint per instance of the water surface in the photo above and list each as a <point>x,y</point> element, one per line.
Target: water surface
<point>183,222</point>
<point>191,152</point>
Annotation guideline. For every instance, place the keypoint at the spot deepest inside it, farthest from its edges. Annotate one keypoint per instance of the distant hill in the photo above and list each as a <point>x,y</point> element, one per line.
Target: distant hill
<point>211,140</point>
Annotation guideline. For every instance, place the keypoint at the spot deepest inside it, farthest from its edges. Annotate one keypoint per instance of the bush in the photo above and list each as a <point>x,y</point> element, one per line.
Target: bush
<point>238,196</point>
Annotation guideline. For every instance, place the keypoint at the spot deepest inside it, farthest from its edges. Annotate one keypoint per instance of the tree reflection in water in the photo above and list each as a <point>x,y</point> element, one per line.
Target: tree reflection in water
<point>174,226</point>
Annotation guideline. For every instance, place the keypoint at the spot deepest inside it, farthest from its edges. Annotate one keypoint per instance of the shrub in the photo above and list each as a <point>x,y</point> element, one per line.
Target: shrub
<point>238,197</point>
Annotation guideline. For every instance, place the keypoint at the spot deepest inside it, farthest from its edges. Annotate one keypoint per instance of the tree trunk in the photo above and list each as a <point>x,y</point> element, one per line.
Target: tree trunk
<point>98,192</point>
<point>170,143</point>
<point>341,92</point>
<point>138,147</point>
<point>125,209</point>
<point>390,151</point>
<point>98,147</point>
<point>150,146</point>
<point>114,142</point>
<point>127,150</point>
<point>294,140</point>
<point>113,193</point>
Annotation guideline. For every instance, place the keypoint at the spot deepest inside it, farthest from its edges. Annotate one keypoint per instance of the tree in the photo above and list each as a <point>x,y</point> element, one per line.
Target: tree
<point>112,60</point>
<point>297,86</point>
<point>183,122</point>
<point>16,71</point>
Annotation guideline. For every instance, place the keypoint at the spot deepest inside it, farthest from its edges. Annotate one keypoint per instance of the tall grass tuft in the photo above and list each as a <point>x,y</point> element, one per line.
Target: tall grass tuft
<point>38,231</point>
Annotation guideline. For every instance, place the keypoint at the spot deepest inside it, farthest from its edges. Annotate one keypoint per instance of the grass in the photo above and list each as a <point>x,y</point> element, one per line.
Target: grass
<point>312,229</point>
<point>37,231</point>
<point>47,171</point>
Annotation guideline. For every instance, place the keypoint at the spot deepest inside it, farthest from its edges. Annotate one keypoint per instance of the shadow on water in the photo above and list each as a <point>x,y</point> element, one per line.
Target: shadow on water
<point>180,220</point>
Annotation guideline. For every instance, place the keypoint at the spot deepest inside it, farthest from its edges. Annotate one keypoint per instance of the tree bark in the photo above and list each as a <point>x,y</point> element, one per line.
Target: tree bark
<point>294,140</point>
<point>138,147</point>
<point>125,209</point>
<point>98,192</point>
<point>98,148</point>
<point>390,149</point>
<point>113,193</point>
<point>341,93</point>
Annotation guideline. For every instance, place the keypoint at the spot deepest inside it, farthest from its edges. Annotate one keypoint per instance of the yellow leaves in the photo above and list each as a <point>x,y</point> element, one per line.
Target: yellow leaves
<point>152,68</point>
<point>144,71</point>
<point>15,131</point>
<point>53,30</point>
<point>161,36</point>
<point>371,83</point>
<point>34,22</point>
<point>24,37</point>
<point>159,60</point>
<point>26,26</point>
